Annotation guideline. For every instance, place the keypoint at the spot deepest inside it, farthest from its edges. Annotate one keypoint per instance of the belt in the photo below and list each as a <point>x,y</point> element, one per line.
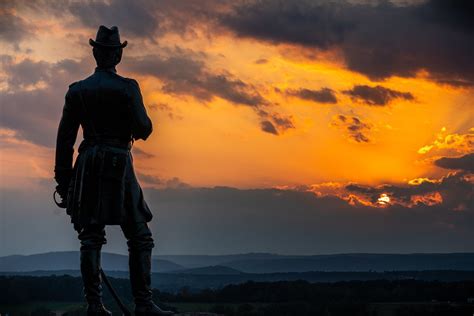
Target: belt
<point>113,142</point>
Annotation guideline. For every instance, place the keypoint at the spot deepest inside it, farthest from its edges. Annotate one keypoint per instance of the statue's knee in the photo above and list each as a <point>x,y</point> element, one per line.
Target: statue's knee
<point>92,238</point>
<point>139,244</point>
<point>92,244</point>
<point>141,238</point>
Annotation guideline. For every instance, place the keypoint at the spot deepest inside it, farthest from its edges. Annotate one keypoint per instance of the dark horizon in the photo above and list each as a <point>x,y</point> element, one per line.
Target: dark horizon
<point>259,253</point>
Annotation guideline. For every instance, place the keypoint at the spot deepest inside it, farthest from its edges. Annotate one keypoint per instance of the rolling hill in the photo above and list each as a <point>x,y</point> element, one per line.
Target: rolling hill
<point>69,260</point>
<point>271,263</point>
<point>251,263</point>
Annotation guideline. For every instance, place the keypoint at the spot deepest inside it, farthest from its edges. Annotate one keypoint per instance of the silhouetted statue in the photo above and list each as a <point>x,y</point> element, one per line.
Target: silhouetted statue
<point>102,189</point>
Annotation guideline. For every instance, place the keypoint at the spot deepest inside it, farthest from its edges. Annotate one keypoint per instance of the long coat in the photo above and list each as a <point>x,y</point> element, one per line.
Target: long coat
<point>102,186</point>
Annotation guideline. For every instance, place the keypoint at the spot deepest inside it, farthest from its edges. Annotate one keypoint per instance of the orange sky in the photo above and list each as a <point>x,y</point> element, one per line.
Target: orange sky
<point>218,142</point>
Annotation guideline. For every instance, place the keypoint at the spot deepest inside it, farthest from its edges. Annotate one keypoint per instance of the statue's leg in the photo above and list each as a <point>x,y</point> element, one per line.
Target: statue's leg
<point>140,245</point>
<point>92,238</point>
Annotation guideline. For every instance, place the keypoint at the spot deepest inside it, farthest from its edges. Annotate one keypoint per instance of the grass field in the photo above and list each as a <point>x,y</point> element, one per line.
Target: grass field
<point>235,309</point>
<point>38,307</point>
<point>78,308</point>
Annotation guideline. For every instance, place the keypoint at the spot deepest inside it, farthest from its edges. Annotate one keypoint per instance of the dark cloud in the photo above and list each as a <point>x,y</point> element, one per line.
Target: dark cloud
<point>234,90</point>
<point>149,179</point>
<point>323,95</point>
<point>185,73</point>
<point>141,153</point>
<point>139,19</point>
<point>353,126</point>
<point>283,122</point>
<point>135,17</point>
<point>452,192</point>
<point>298,22</point>
<point>157,182</point>
<point>167,109</point>
<point>378,95</point>
<point>465,163</point>
<point>34,113</point>
<point>457,14</point>
<point>13,28</point>
<point>268,127</point>
<point>378,39</point>
<point>458,83</point>
<point>275,123</point>
<point>26,72</point>
<point>261,61</point>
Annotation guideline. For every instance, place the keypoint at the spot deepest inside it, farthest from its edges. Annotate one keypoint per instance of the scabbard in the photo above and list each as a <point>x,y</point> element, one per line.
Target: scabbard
<point>119,302</point>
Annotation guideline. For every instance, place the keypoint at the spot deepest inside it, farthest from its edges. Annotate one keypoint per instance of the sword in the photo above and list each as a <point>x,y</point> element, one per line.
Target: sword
<point>122,307</point>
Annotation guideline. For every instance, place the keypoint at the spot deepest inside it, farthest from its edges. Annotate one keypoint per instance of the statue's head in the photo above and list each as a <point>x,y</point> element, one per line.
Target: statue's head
<point>107,48</point>
<point>106,57</point>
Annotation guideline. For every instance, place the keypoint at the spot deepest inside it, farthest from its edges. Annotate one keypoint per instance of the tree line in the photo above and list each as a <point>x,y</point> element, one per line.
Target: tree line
<point>261,298</point>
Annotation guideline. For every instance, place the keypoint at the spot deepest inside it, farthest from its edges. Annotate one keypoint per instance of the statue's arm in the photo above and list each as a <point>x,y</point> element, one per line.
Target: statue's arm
<point>66,137</point>
<point>141,123</point>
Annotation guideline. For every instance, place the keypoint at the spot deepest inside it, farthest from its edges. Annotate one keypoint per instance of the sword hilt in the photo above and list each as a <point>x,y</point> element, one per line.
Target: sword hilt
<point>61,204</point>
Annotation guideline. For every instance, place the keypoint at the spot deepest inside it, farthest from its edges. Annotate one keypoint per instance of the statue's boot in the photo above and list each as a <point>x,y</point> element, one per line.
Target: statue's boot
<point>90,270</point>
<point>140,278</point>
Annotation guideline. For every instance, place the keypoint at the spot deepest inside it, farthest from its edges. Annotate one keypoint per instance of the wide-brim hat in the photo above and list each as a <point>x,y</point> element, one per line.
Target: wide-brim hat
<point>107,38</point>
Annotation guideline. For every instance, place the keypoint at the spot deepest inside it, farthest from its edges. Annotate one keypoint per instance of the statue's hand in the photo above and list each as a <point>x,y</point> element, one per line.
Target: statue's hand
<point>62,195</point>
<point>62,179</point>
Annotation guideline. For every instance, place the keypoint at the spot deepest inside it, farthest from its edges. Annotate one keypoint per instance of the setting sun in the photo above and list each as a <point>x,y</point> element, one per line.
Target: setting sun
<point>384,199</point>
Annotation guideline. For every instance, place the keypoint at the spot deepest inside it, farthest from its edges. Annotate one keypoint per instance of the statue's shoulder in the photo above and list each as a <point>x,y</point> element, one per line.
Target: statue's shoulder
<point>74,85</point>
<point>126,80</point>
<point>73,89</point>
<point>81,84</point>
<point>132,83</point>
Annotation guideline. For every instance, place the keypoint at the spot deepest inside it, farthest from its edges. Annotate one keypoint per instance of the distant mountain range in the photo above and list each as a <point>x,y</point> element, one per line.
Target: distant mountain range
<point>250,263</point>
<point>211,270</point>
<point>69,260</point>
<point>195,261</point>
<point>272,263</point>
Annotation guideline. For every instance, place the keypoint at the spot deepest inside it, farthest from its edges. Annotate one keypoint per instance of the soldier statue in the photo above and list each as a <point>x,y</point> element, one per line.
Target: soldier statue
<point>101,188</point>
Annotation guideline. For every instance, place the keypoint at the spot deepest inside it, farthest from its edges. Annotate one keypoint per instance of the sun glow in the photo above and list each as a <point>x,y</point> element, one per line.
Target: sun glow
<point>383,200</point>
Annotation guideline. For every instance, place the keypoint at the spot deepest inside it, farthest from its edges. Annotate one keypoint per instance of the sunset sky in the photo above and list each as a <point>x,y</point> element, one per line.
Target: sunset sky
<point>279,126</point>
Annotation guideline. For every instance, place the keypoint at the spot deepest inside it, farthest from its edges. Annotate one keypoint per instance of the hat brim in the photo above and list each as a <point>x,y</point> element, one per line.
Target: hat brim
<point>103,45</point>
